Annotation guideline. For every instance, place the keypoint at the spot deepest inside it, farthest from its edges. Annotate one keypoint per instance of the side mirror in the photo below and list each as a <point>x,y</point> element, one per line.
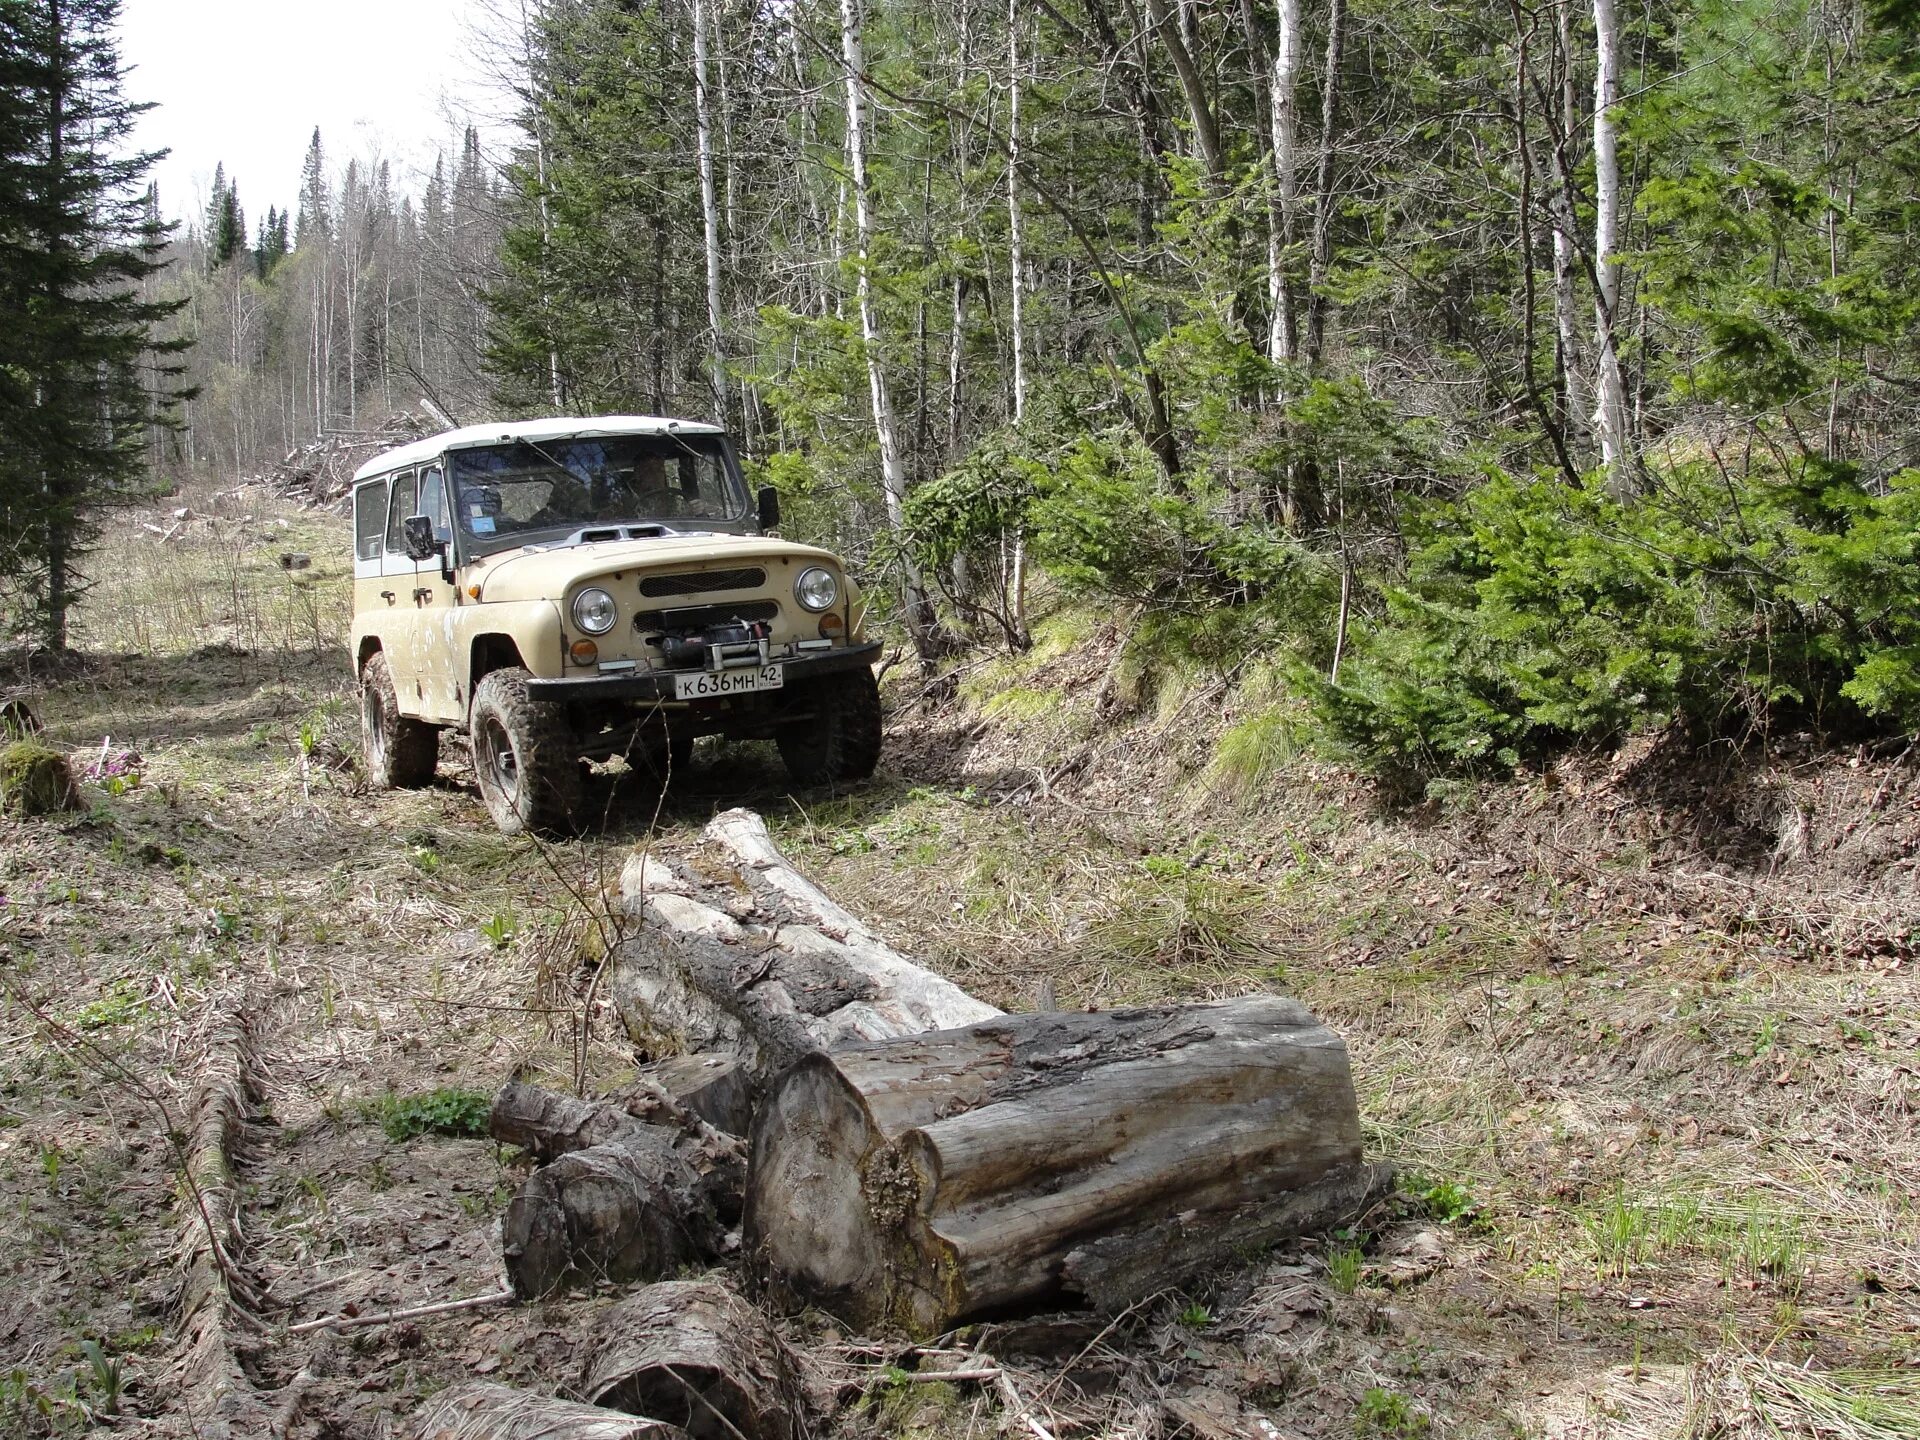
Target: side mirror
<point>769,508</point>
<point>418,530</point>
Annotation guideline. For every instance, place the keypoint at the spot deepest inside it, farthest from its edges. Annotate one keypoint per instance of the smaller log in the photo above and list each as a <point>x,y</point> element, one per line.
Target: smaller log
<point>695,1354</point>
<point>717,1088</point>
<point>636,1208</point>
<point>478,1410</point>
<point>548,1124</point>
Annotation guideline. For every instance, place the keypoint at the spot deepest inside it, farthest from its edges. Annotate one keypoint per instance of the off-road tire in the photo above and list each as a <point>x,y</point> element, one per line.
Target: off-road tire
<point>400,754</point>
<point>526,757</point>
<point>842,739</point>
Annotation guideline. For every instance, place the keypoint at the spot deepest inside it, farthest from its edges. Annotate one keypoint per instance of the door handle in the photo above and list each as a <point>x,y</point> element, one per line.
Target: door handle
<point>422,596</point>
<point>387,595</point>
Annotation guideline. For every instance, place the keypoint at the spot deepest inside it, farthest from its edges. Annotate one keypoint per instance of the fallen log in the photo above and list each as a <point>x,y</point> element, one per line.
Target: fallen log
<point>743,956</point>
<point>695,1354</point>
<point>548,1124</point>
<point>1049,1161</point>
<point>478,1410</point>
<point>636,1208</point>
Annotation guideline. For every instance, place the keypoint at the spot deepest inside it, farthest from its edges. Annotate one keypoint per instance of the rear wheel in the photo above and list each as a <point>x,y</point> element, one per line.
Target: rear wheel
<point>841,738</point>
<point>525,757</point>
<point>400,753</point>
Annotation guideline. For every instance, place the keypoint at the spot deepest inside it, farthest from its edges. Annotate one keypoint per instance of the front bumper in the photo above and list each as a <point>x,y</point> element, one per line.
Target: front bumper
<point>658,684</point>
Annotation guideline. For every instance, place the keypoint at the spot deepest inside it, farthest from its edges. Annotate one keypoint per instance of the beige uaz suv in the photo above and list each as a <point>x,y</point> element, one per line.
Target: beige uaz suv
<point>569,590</point>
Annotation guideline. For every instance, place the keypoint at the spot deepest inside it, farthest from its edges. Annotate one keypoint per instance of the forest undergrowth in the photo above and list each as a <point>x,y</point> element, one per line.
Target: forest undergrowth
<point>1636,1029</point>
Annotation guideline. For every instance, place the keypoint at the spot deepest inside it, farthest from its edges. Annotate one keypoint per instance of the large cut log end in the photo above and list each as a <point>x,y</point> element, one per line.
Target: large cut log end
<point>1050,1160</point>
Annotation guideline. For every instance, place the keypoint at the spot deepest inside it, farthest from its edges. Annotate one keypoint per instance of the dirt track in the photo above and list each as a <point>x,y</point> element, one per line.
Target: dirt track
<point>1644,1050</point>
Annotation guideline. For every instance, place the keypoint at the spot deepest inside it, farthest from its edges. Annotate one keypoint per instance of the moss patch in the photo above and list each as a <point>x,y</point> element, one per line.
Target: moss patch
<point>35,780</point>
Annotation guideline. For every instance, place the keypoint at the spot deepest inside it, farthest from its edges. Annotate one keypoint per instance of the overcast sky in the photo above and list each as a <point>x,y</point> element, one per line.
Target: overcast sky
<point>245,81</point>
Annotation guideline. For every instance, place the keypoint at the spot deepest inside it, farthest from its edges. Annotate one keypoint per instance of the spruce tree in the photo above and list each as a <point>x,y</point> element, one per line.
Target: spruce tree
<point>86,379</point>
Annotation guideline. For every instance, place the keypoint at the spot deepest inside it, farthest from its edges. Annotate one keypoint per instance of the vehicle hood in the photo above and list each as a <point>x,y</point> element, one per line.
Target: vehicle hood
<point>547,573</point>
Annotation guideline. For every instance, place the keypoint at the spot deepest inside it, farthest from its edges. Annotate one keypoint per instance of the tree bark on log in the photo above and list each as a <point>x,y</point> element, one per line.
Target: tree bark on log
<point>695,1354</point>
<point>1049,1160</point>
<point>478,1410</point>
<point>744,956</point>
<point>636,1208</point>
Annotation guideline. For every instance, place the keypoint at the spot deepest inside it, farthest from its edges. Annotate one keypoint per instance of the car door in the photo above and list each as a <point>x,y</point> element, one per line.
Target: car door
<point>440,650</point>
<point>399,582</point>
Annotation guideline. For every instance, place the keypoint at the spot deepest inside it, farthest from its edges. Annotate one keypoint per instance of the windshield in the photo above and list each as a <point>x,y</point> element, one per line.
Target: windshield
<point>527,492</point>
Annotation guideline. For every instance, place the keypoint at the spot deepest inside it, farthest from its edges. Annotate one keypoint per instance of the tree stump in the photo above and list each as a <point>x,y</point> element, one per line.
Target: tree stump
<point>477,1410</point>
<point>1049,1161</point>
<point>35,780</point>
<point>695,1354</point>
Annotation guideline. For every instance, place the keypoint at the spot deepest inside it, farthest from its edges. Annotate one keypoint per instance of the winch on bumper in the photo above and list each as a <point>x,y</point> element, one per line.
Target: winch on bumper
<point>661,684</point>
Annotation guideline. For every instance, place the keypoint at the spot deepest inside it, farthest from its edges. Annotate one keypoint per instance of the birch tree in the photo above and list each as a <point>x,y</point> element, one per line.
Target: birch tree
<point>709,206</point>
<point>893,472</point>
<point>1610,410</point>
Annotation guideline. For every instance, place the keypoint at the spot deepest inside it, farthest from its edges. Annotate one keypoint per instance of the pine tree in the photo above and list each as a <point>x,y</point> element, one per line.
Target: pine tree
<point>226,221</point>
<point>316,198</point>
<point>271,248</point>
<point>82,349</point>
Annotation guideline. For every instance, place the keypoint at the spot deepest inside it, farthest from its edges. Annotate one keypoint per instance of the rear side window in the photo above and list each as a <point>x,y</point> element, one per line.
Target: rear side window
<point>399,507</point>
<point>369,519</point>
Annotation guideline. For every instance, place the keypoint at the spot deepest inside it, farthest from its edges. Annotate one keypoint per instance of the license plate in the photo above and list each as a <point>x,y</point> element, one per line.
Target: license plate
<point>709,683</point>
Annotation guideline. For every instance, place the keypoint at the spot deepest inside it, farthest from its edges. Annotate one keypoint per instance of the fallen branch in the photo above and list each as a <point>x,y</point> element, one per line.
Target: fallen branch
<point>412,1312</point>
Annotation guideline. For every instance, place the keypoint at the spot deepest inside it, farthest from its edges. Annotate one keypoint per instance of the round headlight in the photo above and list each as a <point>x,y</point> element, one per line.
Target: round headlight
<point>594,611</point>
<point>817,590</point>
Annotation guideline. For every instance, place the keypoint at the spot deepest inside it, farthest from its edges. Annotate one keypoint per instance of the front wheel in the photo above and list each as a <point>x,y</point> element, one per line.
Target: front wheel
<point>525,757</point>
<point>400,754</point>
<point>840,739</point>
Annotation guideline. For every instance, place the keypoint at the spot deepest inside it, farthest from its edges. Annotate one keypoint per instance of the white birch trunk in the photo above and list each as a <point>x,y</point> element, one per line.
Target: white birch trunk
<point>554,387</point>
<point>893,470</point>
<point>1610,410</point>
<point>1286,179</point>
<point>709,206</point>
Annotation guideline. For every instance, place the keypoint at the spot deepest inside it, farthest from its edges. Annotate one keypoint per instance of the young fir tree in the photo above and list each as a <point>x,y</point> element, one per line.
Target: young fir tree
<point>272,245</point>
<point>226,221</point>
<point>86,379</point>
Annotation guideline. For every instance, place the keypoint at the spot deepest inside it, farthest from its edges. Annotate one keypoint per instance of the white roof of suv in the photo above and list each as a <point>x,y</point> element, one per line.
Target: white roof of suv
<point>470,437</point>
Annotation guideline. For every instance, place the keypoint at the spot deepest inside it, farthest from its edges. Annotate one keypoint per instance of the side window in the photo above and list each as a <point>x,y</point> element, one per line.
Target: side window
<point>399,507</point>
<point>433,503</point>
<point>369,519</point>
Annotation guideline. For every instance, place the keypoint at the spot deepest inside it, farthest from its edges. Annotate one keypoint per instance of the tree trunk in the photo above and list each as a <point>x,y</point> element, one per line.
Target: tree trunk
<point>1206,131</point>
<point>1610,410</point>
<point>636,1208</point>
<point>921,622</point>
<point>752,961</point>
<point>1323,187</point>
<point>694,1354</point>
<point>709,207</point>
<point>1286,182</point>
<point>1041,1161</point>
<point>1566,252</point>
<point>477,1410</point>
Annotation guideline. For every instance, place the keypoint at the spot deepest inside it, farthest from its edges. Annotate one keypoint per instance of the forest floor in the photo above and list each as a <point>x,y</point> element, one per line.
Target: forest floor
<point>1640,1035</point>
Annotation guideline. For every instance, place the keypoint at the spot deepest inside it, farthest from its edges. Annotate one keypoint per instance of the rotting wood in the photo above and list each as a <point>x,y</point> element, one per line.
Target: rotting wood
<point>636,1208</point>
<point>695,1354</point>
<point>548,1124</point>
<point>743,956</point>
<point>480,1410</point>
<point>1049,1160</point>
<point>217,1296</point>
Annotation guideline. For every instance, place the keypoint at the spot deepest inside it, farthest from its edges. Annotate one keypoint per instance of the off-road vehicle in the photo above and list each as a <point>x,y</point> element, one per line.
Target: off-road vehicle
<point>566,591</point>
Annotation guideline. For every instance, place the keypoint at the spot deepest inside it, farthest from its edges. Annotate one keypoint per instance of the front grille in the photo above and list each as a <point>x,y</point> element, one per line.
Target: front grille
<point>699,617</point>
<point>699,582</point>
